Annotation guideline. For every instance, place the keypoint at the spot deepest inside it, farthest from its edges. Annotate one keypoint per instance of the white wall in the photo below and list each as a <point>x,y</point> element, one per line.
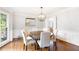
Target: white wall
<point>68,22</point>
<point>18,24</point>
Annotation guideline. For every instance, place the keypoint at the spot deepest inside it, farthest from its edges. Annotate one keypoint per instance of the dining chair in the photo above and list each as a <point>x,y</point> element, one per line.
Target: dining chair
<point>44,40</point>
<point>27,40</point>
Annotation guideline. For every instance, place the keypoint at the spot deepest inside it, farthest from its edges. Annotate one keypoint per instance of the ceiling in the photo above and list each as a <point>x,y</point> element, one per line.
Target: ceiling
<point>36,10</point>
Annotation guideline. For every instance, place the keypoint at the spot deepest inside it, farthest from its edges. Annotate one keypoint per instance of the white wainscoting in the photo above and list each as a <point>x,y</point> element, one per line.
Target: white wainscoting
<point>69,36</point>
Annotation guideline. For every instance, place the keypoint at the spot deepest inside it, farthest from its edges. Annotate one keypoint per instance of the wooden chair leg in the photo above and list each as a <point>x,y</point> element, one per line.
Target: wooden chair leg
<point>35,46</point>
<point>48,48</point>
<point>55,46</point>
<point>38,47</point>
<point>26,48</point>
<point>23,46</point>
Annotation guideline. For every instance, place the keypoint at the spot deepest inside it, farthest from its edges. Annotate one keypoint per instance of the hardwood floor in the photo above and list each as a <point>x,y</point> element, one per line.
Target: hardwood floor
<point>65,46</point>
<point>17,45</point>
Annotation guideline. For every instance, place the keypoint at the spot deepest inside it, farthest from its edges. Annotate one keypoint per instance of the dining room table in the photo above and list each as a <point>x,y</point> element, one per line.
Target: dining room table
<point>36,36</point>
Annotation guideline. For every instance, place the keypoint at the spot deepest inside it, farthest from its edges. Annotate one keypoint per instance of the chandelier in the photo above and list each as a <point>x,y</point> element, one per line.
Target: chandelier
<point>41,17</point>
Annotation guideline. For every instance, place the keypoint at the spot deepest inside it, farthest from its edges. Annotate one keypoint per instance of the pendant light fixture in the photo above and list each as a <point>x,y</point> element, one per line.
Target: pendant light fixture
<point>41,17</point>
